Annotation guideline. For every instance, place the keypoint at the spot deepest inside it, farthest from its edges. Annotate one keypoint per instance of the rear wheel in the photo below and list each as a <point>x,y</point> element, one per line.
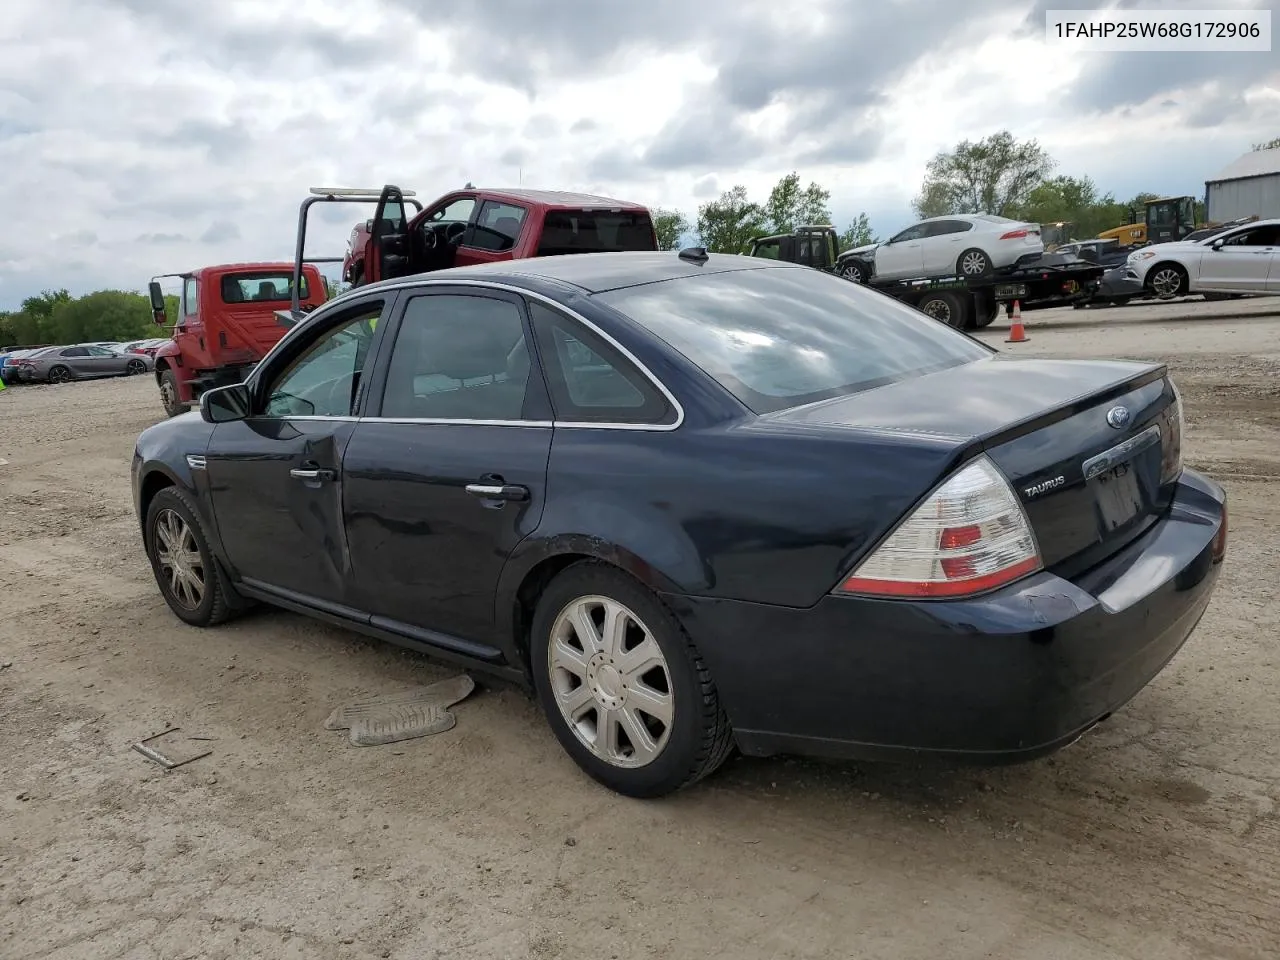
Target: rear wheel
<point>623,687</point>
<point>169,395</point>
<point>973,263</point>
<point>1168,280</point>
<point>134,368</point>
<point>948,308</point>
<point>986,313</point>
<point>59,374</point>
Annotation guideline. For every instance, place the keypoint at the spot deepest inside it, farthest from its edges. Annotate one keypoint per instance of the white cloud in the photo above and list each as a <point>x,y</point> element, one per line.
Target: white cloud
<point>143,136</point>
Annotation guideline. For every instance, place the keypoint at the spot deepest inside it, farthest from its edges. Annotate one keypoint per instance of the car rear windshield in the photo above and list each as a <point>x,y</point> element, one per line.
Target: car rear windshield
<point>260,287</point>
<point>595,231</point>
<point>782,337</point>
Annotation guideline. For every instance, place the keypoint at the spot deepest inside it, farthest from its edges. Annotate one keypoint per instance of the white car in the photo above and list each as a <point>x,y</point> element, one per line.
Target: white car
<point>967,245</point>
<point>1244,259</point>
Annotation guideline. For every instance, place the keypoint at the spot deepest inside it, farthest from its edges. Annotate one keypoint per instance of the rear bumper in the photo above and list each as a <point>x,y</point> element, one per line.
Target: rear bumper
<point>1005,677</point>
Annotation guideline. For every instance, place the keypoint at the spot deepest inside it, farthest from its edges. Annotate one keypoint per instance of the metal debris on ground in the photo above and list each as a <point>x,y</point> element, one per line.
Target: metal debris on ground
<point>157,757</point>
<point>419,712</point>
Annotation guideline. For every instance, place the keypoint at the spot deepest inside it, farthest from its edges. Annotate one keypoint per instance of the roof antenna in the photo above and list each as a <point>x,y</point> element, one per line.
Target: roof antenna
<point>694,254</point>
<point>469,186</point>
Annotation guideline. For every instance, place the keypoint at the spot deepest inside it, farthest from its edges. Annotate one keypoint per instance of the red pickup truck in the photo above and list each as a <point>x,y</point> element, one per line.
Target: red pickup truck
<point>472,226</point>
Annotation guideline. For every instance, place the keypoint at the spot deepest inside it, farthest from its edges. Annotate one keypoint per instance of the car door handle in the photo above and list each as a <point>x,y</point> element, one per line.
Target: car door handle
<point>313,476</point>
<point>498,491</point>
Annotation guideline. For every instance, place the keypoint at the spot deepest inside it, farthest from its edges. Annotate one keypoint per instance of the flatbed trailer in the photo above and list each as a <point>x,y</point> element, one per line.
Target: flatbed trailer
<point>968,303</point>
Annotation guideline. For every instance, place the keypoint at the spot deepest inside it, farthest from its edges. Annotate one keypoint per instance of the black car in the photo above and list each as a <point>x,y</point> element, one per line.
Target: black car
<point>698,502</point>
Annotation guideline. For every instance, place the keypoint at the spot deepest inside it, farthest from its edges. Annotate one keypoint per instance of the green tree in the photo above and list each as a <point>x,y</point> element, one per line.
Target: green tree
<point>8,332</point>
<point>993,175</point>
<point>103,315</point>
<point>790,205</point>
<point>858,233</point>
<point>1268,144</point>
<point>727,224</point>
<point>670,226</point>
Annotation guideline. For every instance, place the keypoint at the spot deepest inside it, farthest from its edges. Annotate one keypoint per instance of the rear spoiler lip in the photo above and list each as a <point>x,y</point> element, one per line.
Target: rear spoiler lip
<point>1154,372</point>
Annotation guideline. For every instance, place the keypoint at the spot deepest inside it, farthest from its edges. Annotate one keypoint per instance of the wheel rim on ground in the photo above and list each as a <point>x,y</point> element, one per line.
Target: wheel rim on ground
<point>179,558</point>
<point>1166,282</point>
<point>973,263</point>
<point>938,309</point>
<point>610,681</point>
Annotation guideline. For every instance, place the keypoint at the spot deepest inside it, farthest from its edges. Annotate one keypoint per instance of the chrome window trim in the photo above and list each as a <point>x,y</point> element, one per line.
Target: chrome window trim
<point>411,282</point>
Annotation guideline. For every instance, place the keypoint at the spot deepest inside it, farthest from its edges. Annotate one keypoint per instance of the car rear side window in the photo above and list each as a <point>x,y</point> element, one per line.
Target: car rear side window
<point>590,381</point>
<point>781,337</point>
<point>458,357</point>
<point>496,227</point>
<point>595,231</point>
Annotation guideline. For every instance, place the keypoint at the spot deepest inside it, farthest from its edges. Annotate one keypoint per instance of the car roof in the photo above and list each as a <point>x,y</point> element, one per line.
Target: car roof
<point>596,272</point>
<point>558,198</point>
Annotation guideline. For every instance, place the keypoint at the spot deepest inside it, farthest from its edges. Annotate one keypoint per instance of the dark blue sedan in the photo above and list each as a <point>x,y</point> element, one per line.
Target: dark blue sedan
<point>701,502</point>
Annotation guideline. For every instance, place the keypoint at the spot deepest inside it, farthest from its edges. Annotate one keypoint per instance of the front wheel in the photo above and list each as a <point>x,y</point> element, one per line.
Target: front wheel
<point>169,395</point>
<point>134,368</point>
<point>1167,281</point>
<point>854,271</point>
<point>623,687</point>
<point>181,560</point>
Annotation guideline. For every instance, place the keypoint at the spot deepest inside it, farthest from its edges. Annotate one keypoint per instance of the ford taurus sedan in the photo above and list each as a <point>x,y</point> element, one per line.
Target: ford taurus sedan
<point>697,503</point>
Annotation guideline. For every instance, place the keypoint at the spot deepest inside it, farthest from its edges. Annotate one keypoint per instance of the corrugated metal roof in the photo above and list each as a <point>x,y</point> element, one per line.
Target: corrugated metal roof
<point>1255,163</point>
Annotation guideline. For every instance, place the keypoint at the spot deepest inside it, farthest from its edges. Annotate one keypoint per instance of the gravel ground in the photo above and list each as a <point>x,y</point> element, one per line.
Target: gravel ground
<point>1155,836</point>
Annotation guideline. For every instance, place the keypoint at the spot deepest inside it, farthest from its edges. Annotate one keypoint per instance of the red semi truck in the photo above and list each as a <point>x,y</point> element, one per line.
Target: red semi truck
<point>227,321</point>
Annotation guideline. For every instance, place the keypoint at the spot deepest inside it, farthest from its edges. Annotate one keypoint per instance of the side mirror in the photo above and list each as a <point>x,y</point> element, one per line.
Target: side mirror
<point>1216,245</point>
<point>225,404</point>
<point>157,304</point>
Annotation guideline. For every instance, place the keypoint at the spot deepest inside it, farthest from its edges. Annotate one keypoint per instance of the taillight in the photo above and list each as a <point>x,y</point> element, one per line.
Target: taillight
<point>971,535</point>
<point>1013,235</point>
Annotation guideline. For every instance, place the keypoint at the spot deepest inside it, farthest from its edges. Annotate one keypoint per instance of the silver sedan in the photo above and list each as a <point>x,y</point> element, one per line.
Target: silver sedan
<point>84,361</point>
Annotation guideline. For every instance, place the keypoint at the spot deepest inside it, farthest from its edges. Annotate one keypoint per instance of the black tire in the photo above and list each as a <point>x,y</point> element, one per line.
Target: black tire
<point>945,307</point>
<point>854,272</point>
<point>135,368</point>
<point>169,394</point>
<point>1165,281</point>
<point>212,607</point>
<point>974,263</point>
<point>59,374</point>
<point>698,739</point>
<point>986,317</point>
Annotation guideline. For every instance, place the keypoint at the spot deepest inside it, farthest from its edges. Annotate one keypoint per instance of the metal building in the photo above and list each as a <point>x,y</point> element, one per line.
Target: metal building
<point>1250,185</point>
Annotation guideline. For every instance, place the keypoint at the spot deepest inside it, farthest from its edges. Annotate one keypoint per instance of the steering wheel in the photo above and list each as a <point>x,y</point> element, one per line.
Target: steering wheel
<point>454,231</point>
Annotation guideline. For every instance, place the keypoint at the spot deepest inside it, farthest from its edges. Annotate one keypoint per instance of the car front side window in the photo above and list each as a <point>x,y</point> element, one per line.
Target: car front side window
<point>325,379</point>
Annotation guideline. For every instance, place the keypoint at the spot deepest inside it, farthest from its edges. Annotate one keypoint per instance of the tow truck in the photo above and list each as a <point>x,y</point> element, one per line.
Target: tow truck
<point>1035,280</point>
<point>227,321</point>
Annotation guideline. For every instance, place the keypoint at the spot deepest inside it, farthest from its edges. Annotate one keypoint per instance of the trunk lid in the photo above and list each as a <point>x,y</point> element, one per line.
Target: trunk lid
<point>1091,448</point>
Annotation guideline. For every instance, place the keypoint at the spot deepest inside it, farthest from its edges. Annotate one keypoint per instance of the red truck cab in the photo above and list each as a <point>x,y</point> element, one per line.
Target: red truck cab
<point>472,226</point>
<point>226,323</point>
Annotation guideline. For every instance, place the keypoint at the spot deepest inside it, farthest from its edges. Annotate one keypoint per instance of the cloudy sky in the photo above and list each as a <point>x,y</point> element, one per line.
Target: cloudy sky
<point>147,136</point>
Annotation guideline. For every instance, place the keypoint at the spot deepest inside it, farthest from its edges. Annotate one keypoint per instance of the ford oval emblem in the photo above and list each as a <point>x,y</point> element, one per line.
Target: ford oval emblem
<point>1118,417</point>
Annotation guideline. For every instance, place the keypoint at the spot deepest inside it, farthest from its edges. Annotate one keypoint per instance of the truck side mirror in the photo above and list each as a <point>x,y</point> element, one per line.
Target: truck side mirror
<point>157,304</point>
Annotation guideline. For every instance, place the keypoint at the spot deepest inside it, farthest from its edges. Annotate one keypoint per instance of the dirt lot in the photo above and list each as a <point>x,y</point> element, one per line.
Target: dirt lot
<point>1155,836</point>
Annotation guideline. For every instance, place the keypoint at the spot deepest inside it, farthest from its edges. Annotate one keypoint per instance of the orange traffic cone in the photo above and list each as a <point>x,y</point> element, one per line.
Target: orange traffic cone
<point>1016,332</point>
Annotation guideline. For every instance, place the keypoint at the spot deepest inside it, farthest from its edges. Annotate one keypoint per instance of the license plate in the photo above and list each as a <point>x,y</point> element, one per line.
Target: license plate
<point>1011,291</point>
<point>1119,496</point>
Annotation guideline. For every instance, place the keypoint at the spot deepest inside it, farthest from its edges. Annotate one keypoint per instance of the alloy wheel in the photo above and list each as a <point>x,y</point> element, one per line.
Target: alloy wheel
<point>178,555</point>
<point>611,681</point>
<point>135,367</point>
<point>1166,283</point>
<point>974,263</point>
